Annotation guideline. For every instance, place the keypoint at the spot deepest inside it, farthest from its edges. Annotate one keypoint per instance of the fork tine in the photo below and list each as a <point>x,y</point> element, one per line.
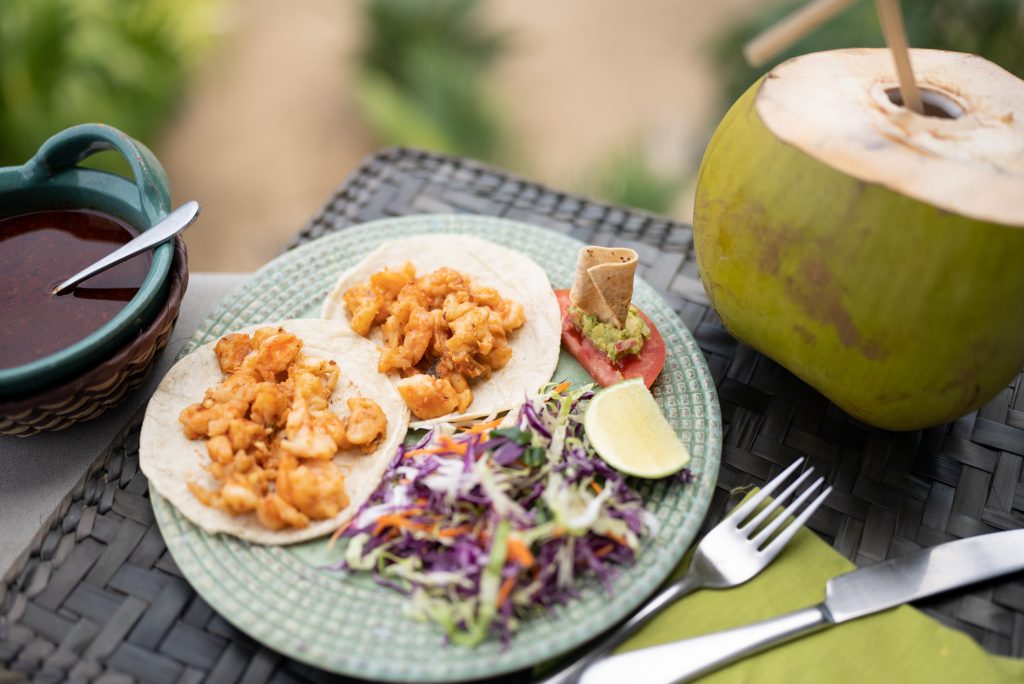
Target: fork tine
<point>753,502</point>
<point>782,498</point>
<point>770,529</point>
<point>772,549</point>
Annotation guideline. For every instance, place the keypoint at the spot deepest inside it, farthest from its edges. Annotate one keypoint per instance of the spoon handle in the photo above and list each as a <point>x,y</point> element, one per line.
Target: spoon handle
<point>172,224</point>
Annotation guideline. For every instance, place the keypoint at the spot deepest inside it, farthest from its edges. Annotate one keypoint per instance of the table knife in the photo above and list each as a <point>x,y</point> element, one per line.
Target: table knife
<point>847,597</point>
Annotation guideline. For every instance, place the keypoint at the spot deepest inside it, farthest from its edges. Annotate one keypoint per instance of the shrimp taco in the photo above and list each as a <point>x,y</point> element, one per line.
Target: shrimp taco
<point>275,434</point>
<point>465,328</point>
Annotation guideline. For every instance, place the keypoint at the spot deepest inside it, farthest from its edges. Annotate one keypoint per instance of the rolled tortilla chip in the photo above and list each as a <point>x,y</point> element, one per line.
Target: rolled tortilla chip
<point>603,284</point>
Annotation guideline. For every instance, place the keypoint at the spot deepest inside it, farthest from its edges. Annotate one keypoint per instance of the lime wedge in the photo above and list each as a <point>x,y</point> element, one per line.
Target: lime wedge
<point>628,431</point>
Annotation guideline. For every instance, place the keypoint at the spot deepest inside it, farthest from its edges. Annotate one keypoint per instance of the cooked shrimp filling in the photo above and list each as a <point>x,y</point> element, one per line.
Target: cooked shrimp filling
<point>271,434</point>
<point>441,332</point>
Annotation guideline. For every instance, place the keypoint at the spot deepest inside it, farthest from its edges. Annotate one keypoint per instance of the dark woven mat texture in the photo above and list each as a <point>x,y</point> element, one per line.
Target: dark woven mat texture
<point>100,599</point>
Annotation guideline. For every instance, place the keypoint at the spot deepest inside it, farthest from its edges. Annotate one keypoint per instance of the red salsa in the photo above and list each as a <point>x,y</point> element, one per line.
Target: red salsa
<point>41,249</point>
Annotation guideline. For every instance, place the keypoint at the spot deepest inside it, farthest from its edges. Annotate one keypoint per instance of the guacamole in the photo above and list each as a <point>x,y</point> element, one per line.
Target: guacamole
<point>612,341</point>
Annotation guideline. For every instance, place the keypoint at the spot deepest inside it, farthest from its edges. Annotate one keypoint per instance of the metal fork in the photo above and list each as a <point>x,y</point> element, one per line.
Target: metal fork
<point>734,551</point>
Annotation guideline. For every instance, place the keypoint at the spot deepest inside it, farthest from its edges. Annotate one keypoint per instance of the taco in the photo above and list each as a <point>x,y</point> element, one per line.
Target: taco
<point>185,464</point>
<point>465,327</point>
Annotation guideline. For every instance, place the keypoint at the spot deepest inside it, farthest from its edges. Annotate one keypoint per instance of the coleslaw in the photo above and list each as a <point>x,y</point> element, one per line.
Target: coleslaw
<point>485,525</point>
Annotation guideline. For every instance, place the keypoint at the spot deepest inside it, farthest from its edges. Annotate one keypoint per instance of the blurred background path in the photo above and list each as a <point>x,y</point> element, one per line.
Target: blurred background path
<point>271,128</point>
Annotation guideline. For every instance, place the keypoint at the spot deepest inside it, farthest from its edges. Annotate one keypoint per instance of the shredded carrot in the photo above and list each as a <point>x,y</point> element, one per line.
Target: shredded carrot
<point>558,531</point>
<point>400,523</point>
<point>596,487</point>
<point>453,531</point>
<point>518,551</point>
<point>386,521</point>
<point>481,427</point>
<point>506,590</point>
<point>400,520</point>
<point>447,445</point>
<point>451,445</point>
<point>337,535</point>
<point>604,551</point>
<point>425,450</point>
<point>562,386</point>
<point>616,538</point>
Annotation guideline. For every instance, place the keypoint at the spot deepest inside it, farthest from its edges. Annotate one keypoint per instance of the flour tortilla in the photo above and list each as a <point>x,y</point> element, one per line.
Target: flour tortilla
<point>515,276</point>
<point>170,460</point>
<point>603,284</point>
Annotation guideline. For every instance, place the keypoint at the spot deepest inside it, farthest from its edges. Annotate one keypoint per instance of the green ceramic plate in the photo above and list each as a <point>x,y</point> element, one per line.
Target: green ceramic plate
<point>347,624</point>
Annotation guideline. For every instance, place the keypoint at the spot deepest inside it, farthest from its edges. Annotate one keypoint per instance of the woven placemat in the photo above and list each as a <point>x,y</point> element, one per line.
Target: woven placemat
<point>100,599</point>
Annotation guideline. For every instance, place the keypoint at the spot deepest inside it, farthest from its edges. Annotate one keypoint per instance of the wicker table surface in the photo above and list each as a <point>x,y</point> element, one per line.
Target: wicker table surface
<point>100,598</point>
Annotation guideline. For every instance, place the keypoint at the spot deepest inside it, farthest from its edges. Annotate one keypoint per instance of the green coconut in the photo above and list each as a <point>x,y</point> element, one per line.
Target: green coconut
<point>876,253</point>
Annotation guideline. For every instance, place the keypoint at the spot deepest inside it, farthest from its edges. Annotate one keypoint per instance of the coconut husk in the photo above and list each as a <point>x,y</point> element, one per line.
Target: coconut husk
<point>966,157</point>
<point>603,284</point>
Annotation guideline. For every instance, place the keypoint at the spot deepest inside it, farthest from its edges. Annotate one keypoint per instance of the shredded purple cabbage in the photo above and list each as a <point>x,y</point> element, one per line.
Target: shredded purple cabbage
<point>429,529</point>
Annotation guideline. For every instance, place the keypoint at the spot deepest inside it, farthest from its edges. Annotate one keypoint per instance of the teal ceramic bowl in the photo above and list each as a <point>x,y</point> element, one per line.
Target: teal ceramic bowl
<point>52,180</point>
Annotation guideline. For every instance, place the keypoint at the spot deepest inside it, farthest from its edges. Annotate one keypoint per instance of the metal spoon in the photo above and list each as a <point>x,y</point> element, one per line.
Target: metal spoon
<point>172,224</point>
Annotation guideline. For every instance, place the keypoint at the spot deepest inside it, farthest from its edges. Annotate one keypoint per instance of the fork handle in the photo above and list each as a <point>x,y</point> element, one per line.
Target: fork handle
<point>683,660</point>
<point>664,598</point>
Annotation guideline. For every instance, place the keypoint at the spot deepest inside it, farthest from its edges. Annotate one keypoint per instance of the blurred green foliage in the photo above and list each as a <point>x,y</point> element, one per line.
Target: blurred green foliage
<point>425,64</point>
<point>627,178</point>
<point>423,83</point>
<point>423,74</point>
<point>66,62</point>
<point>993,29</point>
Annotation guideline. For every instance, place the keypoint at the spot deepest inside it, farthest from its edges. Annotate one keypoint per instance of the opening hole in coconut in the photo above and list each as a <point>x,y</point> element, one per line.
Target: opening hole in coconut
<point>935,103</point>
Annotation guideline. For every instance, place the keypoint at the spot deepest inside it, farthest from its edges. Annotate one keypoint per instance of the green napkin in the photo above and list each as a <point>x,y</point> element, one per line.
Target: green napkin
<point>901,645</point>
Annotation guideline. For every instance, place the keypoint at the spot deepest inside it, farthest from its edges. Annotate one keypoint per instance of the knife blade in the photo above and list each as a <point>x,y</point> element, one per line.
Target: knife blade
<point>856,594</point>
<point>923,573</point>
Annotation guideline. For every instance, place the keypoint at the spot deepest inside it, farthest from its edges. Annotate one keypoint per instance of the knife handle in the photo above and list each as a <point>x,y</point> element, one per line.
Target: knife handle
<point>683,660</point>
<point>666,597</point>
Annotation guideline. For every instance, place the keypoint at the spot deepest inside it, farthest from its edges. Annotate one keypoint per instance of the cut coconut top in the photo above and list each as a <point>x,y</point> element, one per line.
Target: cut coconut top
<point>843,108</point>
